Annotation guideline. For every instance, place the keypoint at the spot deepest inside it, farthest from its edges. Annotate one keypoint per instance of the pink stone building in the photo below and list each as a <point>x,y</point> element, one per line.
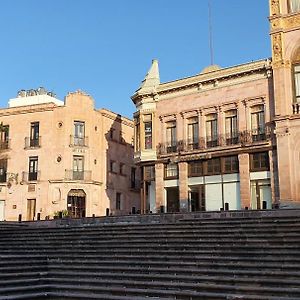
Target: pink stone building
<point>66,157</point>
<point>226,138</point>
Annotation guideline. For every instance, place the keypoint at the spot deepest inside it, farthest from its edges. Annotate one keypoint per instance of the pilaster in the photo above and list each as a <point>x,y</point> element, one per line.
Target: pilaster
<point>244,180</point>
<point>159,185</point>
<point>183,186</point>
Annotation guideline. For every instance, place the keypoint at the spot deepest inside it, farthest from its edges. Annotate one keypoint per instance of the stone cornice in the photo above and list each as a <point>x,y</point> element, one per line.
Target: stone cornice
<point>284,22</point>
<point>27,109</point>
<point>115,117</point>
<point>215,76</point>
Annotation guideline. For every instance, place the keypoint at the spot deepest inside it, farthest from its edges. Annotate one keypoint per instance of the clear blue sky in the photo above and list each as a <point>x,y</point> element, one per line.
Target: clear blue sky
<point>105,47</point>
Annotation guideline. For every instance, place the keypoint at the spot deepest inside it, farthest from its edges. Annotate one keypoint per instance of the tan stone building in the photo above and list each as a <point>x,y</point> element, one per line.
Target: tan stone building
<point>224,138</point>
<point>64,156</point>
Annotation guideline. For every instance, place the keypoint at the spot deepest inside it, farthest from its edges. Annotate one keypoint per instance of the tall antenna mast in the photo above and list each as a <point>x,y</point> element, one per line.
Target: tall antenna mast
<point>210,34</point>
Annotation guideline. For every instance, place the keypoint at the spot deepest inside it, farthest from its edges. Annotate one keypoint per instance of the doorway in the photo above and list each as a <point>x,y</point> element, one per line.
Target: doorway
<point>261,195</point>
<point>197,198</point>
<point>31,207</point>
<point>76,203</point>
<point>172,199</point>
<point>2,206</point>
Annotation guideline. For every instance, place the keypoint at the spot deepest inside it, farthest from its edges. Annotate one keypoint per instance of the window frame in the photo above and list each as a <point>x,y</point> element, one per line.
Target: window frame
<point>294,73</point>
<point>33,165</point>
<point>195,168</point>
<point>174,169</point>
<point>264,165</point>
<point>148,136</point>
<point>234,164</point>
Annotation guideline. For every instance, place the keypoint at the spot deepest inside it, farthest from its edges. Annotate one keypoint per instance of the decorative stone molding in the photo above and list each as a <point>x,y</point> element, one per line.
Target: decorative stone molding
<point>282,64</point>
<point>275,7</point>
<point>277,47</point>
<point>292,21</point>
<point>275,24</point>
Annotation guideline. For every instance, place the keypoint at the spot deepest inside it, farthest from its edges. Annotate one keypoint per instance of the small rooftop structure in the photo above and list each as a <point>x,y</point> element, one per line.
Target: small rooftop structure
<point>34,96</point>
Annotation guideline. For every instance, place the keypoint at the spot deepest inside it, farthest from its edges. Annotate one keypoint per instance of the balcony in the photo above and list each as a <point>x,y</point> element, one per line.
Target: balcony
<point>78,175</point>
<point>222,140</point>
<point>32,143</point>
<point>31,176</point>
<point>76,141</point>
<point>296,108</point>
<point>4,145</point>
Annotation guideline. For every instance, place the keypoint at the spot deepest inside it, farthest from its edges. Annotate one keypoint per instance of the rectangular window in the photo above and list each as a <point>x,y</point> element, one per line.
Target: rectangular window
<point>34,134</point>
<point>118,201</point>
<point>211,130</point>
<point>193,133</point>
<point>122,169</point>
<point>258,123</point>
<point>231,127</point>
<point>3,170</point>
<point>259,161</point>
<point>213,166</point>
<point>149,173</point>
<point>148,131</point>
<point>171,137</point>
<point>294,6</point>
<point>79,133</point>
<point>297,82</point>
<point>195,168</point>
<point>113,166</point>
<point>230,164</point>
<point>132,178</point>
<point>137,133</point>
<point>4,136</point>
<point>78,167</point>
<point>171,171</point>
<point>33,168</point>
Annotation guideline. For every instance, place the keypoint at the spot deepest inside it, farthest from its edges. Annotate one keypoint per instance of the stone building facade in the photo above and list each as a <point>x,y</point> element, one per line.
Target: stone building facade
<point>65,156</point>
<point>224,138</point>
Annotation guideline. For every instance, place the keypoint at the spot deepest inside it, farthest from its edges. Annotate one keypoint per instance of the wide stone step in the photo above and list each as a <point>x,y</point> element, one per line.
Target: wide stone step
<point>171,241</point>
<point>246,289</point>
<point>175,270</point>
<point>169,264</point>
<point>142,247</point>
<point>233,279</point>
<point>24,291</point>
<point>207,292</point>
<point>141,257</point>
<point>295,236</point>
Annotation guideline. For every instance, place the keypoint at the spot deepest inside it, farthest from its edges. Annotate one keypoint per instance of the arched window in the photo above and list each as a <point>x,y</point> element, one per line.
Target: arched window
<point>294,5</point>
<point>297,82</point>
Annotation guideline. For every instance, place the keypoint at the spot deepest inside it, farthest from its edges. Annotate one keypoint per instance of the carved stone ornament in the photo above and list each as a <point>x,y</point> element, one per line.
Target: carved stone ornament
<point>292,21</point>
<point>277,47</point>
<point>275,8</point>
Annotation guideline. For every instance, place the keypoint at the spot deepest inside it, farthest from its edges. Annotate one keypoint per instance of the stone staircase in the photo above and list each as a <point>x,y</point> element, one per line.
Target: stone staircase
<point>248,257</point>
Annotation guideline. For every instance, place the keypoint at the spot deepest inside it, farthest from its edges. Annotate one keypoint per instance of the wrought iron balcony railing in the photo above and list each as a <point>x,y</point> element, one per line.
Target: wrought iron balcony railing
<point>32,142</point>
<point>4,145</point>
<point>78,175</point>
<point>221,140</point>
<point>31,176</point>
<point>76,141</point>
<point>296,108</point>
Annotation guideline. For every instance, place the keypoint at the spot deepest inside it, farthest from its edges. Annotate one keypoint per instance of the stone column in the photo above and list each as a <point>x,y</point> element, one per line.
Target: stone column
<point>159,186</point>
<point>183,186</point>
<point>244,180</point>
<point>202,130</point>
<point>221,130</point>
<point>273,175</point>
